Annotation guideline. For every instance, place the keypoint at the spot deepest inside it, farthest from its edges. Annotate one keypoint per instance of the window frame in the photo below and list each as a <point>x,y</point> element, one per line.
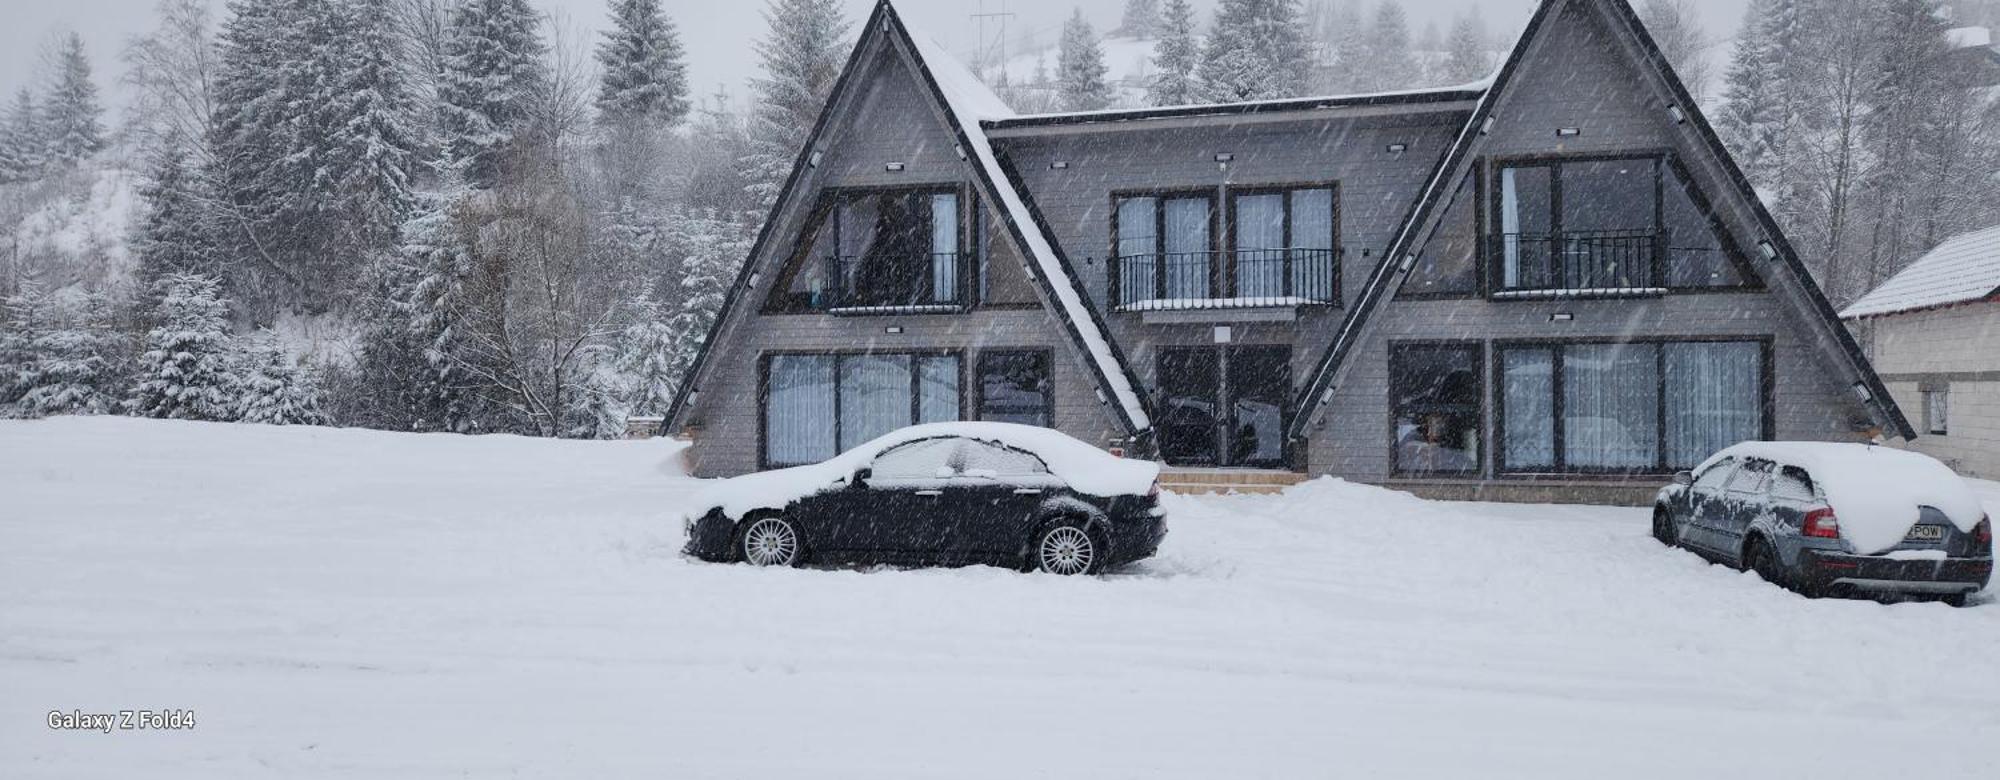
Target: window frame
<point>1228,255</point>
<point>1767,403</point>
<point>764,462</point>
<point>1482,419</point>
<point>1477,194</point>
<point>1115,267</point>
<point>978,388</point>
<point>1937,416</point>
<point>826,212</point>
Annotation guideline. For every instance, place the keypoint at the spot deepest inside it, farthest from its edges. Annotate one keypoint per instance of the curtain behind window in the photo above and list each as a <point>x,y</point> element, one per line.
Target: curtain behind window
<point>874,396</point>
<point>1528,386</point>
<point>1260,237</point>
<point>1611,397</point>
<point>944,248</point>
<point>799,416</point>
<point>937,388</point>
<point>1187,247</point>
<point>1714,398</point>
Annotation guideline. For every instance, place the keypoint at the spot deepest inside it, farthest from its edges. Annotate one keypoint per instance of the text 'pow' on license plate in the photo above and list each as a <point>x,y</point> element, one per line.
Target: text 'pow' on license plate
<point>1925,533</point>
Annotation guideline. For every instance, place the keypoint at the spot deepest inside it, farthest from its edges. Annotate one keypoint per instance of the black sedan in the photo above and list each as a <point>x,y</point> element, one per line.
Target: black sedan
<point>945,493</point>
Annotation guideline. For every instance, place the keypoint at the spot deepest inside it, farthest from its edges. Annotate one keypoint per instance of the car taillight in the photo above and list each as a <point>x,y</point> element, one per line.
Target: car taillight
<point>1983,532</point>
<point>1821,523</point>
<point>1154,491</point>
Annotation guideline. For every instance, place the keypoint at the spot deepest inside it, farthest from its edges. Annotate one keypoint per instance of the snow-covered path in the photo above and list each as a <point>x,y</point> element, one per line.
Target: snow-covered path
<point>358,604</point>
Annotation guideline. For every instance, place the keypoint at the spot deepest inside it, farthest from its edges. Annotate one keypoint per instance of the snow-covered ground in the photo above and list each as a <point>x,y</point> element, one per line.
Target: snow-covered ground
<point>340,603</point>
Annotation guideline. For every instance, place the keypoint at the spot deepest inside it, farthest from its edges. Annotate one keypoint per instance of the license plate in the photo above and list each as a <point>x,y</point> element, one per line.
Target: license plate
<point>1925,533</point>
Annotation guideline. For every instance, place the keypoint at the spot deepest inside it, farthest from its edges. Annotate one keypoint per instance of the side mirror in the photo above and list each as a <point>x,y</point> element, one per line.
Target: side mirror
<point>860,479</point>
<point>1683,478</point>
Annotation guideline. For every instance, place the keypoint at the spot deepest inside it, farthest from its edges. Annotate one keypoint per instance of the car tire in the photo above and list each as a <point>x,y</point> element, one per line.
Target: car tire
<point>1068,547</point>
<point>1663,528</point>
<point>1956,599</point>
<point>770,540</point>
<point>1760,557</point>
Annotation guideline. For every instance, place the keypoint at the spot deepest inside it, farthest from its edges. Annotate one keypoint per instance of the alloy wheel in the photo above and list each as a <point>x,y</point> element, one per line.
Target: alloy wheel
<point>771,542</point>
<point>1067,550</point>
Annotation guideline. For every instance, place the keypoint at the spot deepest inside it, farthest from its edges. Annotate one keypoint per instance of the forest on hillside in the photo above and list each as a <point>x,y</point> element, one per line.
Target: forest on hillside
<point>463,215</point>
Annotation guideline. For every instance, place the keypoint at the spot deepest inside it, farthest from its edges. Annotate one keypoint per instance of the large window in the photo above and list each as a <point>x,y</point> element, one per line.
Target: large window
<point>883,249</point>
<point>1436,391</point>
<point>816,406</point>
<point>1937,410</point>
<point>1448,264</point>
<point>1577,225</point>
<point>1283,244</point>
<point>1165,247</point>
<point>1634,407</point>
<point>1014,387</point>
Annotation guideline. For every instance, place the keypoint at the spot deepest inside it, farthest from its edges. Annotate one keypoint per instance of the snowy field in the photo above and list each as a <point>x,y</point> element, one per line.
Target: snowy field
<point>357,604</point>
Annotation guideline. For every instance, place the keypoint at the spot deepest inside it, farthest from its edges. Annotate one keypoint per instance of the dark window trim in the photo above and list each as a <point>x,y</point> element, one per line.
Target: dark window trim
<point>1228,253</point>
<point>764,462</point>
<point>971,260</point>
<point>1927,394</point>
<point>1767,392</point>
<point>979,384</point>
<point>1479,353</point>
<point>1492,258</point>
<point>1478,291</point>
<point>1292,456</point>
<point>1114,268</point>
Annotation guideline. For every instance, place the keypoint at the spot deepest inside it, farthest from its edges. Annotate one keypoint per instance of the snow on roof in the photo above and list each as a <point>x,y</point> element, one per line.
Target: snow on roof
<point>1468,89</point>
<point>969,100</point>
<point>1874,491</point>
<point>1084,468</point>
<point>1969,37</point>
<point>1963,268</point>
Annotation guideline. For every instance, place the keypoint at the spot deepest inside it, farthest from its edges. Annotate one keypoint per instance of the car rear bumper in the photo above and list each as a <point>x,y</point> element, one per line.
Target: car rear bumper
<point>1137,537</point>
<point>1948,576</point>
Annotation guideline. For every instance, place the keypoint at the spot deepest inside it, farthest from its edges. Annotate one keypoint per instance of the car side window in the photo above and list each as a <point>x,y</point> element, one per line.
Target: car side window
<point>985,460</point>
<point>1716,475</point>
<point>1792,484</point>
<point>930,459</point>
<point>1750,478</point>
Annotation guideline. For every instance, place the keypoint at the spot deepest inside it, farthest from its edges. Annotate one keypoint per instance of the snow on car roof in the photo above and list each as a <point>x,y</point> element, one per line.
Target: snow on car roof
<point>1874,491</point>
<point>1963,268</point>
<point>1084,468</point>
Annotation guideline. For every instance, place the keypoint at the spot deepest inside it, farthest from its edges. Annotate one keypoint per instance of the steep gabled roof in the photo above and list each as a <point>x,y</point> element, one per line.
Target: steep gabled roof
<point>1455,164</point>
<point>962,101</point>
<point>1964,268</point>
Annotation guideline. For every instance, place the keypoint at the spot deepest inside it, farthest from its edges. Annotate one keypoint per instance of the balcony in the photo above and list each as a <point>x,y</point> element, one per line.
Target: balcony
<point>1244,279</point>
<point>1610,263</point>
<point>883,284</point>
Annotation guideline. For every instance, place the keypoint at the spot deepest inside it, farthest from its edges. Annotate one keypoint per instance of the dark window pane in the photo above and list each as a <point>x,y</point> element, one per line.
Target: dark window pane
<point>889,247</point>
<point>1436,390</point>
<point>1260,388</point>
<point>1448,263</point>
<point>1611,397</point>
<point>1528,386</point>
<point>1609,196</point>
<point>1014,387</point>
<point>1190,401</point>
<point>1696,254</point>
<point>1714,398</point>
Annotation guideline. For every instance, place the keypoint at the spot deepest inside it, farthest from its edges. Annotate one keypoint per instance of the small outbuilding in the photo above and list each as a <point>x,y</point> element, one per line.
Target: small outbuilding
<point>1933,332</point>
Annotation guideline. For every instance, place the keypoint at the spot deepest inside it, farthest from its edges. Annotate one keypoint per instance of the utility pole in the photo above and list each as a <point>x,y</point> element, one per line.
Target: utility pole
<point>992,51</point>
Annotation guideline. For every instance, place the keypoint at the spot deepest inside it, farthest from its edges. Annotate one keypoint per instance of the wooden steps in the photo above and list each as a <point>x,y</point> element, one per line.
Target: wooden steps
<point>1193,481</point>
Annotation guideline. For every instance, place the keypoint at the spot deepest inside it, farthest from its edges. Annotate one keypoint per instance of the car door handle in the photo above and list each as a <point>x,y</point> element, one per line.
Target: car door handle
<point>1027,491</point>
<point>930,492</point>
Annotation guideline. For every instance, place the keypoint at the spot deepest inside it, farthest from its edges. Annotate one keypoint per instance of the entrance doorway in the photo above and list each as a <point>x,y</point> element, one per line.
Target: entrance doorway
<point>1224,406</point>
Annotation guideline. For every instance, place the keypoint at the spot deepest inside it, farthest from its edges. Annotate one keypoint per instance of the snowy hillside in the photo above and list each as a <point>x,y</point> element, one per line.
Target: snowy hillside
<point>75,226</point>
<point>346,603</point>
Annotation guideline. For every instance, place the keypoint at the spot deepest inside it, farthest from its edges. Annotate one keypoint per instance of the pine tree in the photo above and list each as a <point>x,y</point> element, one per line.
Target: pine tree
<point>1749,110</point>
<point>70,367</point>
<point>1467,58</point>
<point>23,144</point>
<point>1175,58</point>
<point>188,370</point>
<point>1676,29</point>
<point>1256,52</point>
<point>711,249</point>
<point>73,117</point>
<point>434,300</point>
<point>1389,64</point>
<point>1351,71</point>
<point>645,70</point>
<point>492,68</point>
<point>1141,19</point>
<point>801,56</point>
<point>273,390</point>
<point>25,318</point>
<point>171,238</point>
<point>1080,67</point>
<point>363,158</point>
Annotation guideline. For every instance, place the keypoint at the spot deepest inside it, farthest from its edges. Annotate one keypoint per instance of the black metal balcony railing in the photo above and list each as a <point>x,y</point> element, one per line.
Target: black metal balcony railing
<point>1611,261</point>
<point>902,284</point>
<point>1225,280</point>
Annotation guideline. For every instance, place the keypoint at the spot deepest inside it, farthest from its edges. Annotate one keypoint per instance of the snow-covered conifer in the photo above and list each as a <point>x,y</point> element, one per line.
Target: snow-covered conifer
<point>1468,57</point>
<point>644,70</point>
<point>188,369</point>
<point>1255,52</point>
<point>1141,19</point>
<point>171,238</point>
<point>1080,67</point>
<point>801,56</point>
<point>23,319</point>
<point>1175,58</point>
<point>1389,63</point>
<point>71,366</point>
<point>493,66</point>
<point>273,390</point>
<point>73,119</point>
<point>22,143</point>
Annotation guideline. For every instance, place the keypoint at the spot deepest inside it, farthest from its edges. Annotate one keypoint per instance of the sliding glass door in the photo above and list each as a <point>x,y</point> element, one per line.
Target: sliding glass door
<point>1639,407</point>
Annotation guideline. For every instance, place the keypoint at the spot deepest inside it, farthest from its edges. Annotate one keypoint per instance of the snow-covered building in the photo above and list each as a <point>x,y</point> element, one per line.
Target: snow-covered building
<point>1934,330</point>
<point>1554,285</point>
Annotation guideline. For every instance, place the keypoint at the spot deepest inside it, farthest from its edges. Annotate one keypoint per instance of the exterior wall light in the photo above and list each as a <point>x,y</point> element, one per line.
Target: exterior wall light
<point>1769,250</point>
<point>814,159</point>
<point>1568,132</point>
<point>1225,157</point>
<point>1562,316</point>
<point>1059,165</point>
<point>1398,148</point>
<point>894,167</point>
<point>1680,117</point>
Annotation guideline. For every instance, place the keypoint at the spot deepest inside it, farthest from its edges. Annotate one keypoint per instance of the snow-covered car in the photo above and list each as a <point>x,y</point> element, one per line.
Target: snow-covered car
<point>1833,519</point>
<point>942,493</point>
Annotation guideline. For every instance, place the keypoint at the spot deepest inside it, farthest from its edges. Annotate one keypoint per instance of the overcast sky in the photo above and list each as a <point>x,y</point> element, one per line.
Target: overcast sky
<point>718,33</point>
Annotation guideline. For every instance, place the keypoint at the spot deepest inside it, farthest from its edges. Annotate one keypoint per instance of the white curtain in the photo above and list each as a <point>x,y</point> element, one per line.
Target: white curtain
<point>1510,230</point>
<point>1187,247</point>
<point>1312,229</point>
<point>938,387</point>
<point>1714,398</point>
<point>799,416</point>
<point>874,396</point>
<point>1611,396</point>
<point>944,247</point>
<point>1138,250</point>
<point>1260,230</point>
<point>1528,385</point>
